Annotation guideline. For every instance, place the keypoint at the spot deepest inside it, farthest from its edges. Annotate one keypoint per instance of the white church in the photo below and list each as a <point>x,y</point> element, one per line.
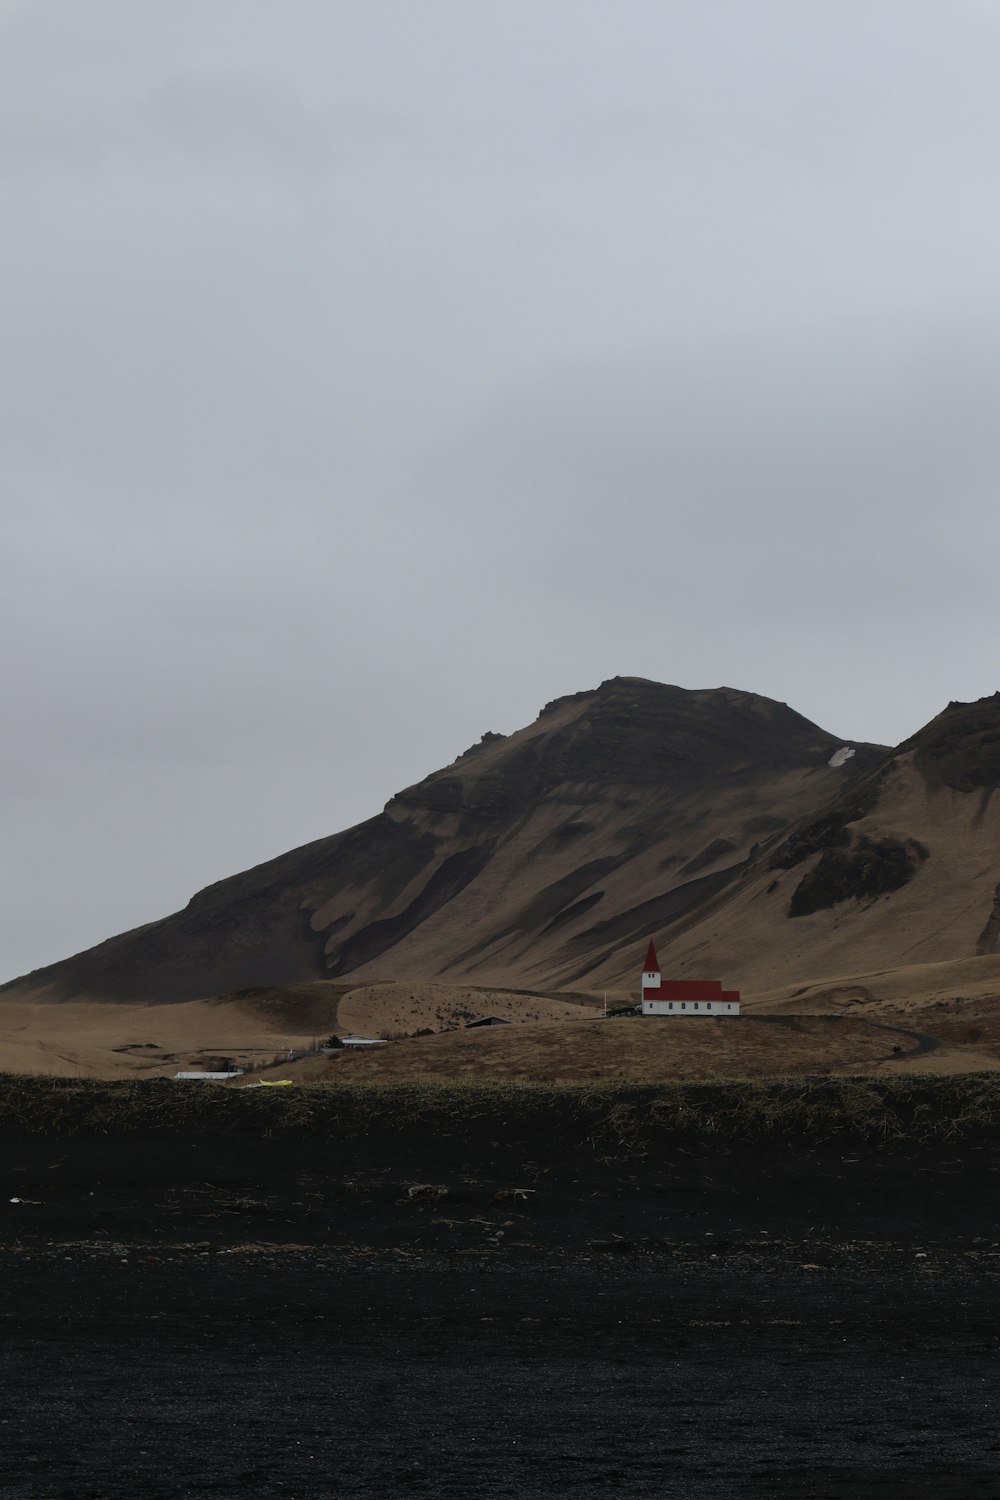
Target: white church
<point>683,997</point>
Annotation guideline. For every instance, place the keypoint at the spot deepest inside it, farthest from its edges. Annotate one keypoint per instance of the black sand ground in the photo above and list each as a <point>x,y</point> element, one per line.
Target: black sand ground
<point>474,1318</point>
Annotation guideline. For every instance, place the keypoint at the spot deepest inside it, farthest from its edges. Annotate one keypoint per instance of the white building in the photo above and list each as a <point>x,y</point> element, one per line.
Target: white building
<point>683,997</point>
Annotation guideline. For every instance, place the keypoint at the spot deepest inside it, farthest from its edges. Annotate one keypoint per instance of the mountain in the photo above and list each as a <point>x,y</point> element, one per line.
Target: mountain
<point>900,868</point>
<point>545,858</point>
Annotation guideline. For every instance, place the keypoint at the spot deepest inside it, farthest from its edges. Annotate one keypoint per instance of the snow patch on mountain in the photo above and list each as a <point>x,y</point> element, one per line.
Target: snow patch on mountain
<point>841,756</point>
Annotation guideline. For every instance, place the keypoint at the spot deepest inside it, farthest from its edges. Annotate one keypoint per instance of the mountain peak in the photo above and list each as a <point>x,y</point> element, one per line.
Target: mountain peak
<point>960,748</point>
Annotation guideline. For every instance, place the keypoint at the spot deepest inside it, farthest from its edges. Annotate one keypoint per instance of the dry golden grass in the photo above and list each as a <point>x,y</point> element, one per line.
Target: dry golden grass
<point>913,989</point>
<point>814,1027</point>
<point>396,1006</point>
<point>118,1041</point>
<point>649,1049</point>
<point>74,1039</point>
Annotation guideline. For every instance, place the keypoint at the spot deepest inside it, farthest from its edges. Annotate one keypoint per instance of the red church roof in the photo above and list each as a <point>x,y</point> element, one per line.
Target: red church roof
<point>690,989</point>
<point>682,989</point>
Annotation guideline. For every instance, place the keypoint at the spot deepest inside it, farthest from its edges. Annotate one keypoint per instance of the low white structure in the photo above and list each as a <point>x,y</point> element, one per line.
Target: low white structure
<point>683,997</point>
<point>208,1077</point>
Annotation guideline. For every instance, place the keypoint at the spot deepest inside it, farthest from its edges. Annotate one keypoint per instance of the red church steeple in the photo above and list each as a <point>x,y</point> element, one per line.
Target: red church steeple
<point>652,962</point>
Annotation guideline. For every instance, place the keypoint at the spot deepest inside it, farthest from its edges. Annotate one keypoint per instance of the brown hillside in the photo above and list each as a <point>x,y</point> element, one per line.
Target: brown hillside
<point>123,1038</point>
<point>901,868</point>
<point>538,860</point>
<point>917,991</point>
<point>542,861</point>
<point>640,1050</point>
<point>393,1008</point>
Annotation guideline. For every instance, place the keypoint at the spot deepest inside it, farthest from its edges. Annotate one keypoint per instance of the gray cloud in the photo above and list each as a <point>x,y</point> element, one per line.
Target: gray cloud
<point>373,373</point>
<point>212,122</point>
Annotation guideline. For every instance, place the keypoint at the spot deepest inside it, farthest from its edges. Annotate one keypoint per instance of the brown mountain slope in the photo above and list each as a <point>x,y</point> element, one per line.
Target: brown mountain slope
<point>535,860</point>
<point>901,868</point>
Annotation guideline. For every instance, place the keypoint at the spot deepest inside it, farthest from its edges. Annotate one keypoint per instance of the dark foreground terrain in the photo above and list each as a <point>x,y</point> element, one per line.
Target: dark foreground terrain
<point>468,1316</point>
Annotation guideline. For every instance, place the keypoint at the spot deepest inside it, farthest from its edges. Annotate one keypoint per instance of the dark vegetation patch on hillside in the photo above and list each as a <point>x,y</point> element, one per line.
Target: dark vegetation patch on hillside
<point>918,1108</point>
<point>867,868</point>
<point>830,831</point>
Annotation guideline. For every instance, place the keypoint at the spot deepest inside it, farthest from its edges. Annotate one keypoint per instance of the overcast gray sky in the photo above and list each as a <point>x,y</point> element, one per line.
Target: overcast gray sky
<point>372,372</point>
